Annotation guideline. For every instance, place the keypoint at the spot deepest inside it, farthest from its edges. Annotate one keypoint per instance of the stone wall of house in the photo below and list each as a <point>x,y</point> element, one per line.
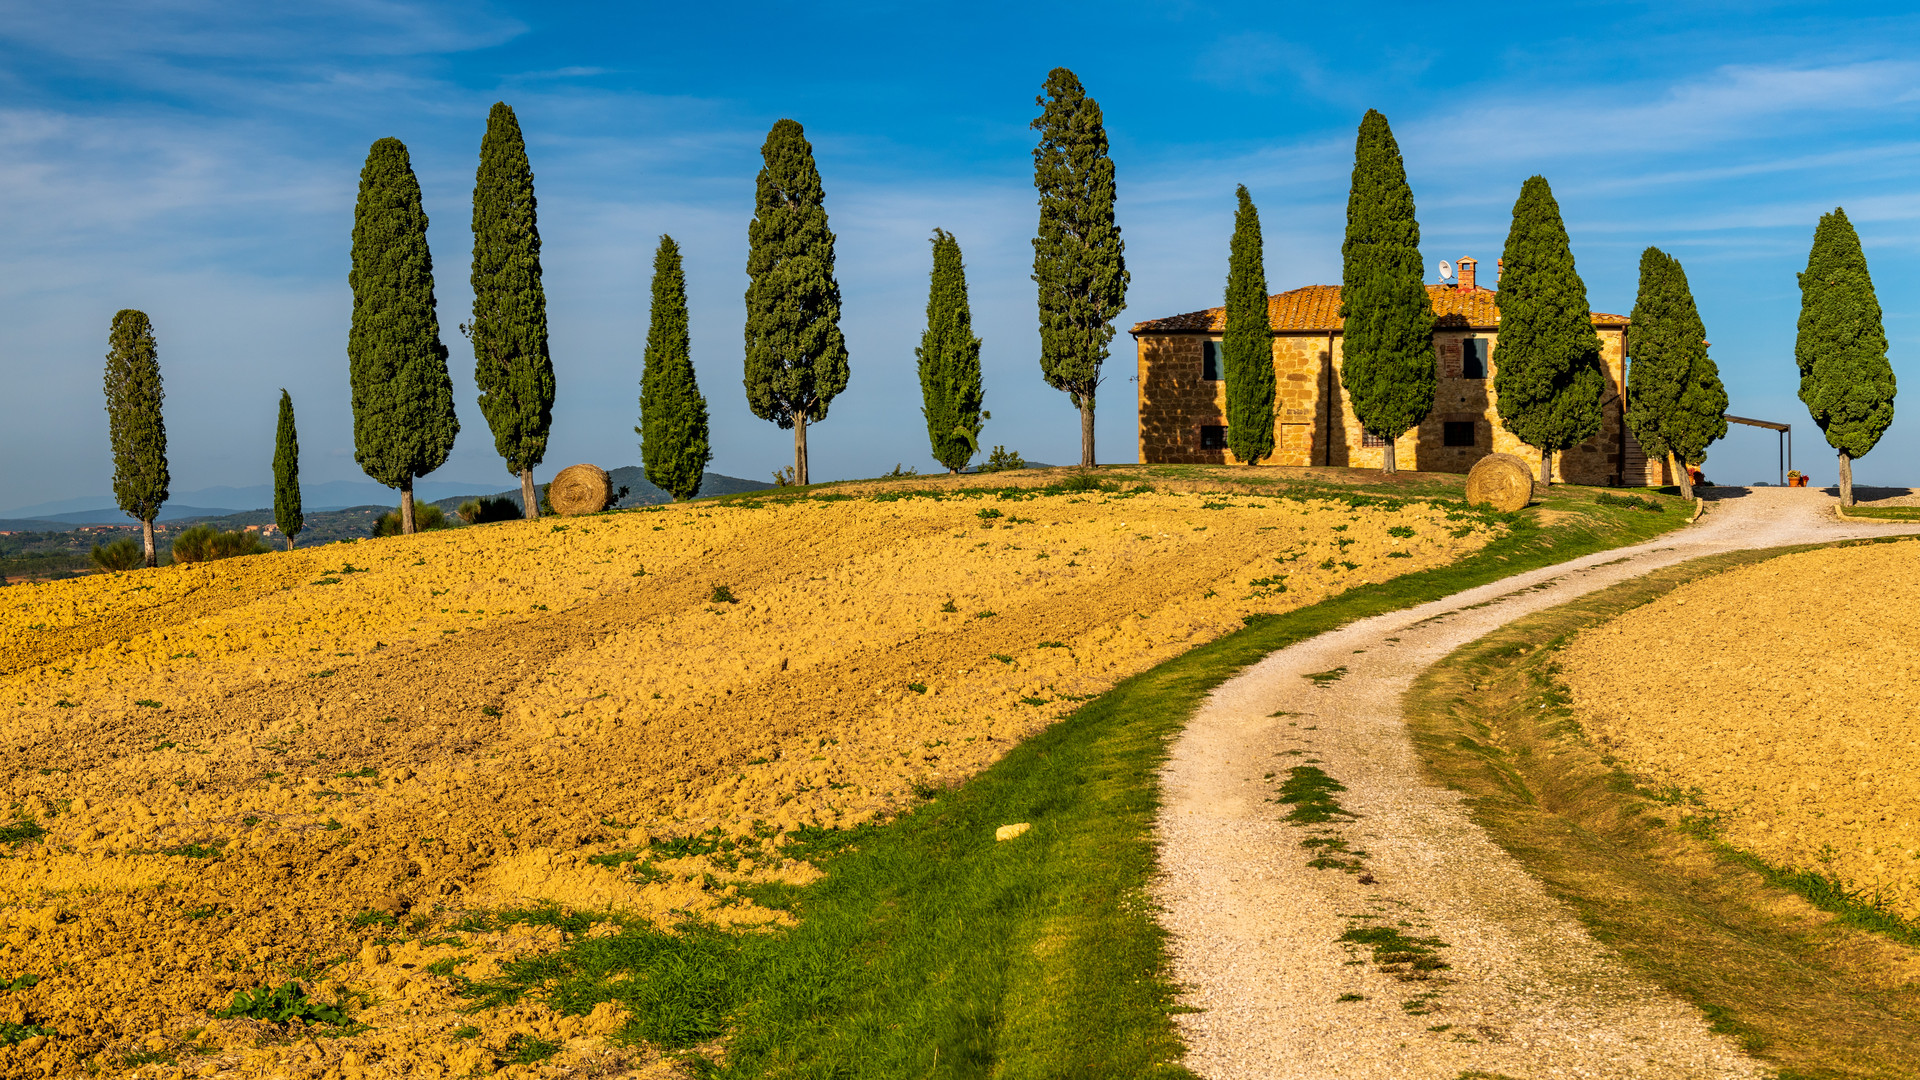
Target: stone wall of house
<point>1175,402</point>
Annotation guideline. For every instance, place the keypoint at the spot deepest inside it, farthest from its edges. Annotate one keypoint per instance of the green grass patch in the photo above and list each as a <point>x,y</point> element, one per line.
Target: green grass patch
<point>20,831</point>
<point>1788,962</point>
<point>929,949</point>
<point>1310,792</point>
<point>1885,513</point>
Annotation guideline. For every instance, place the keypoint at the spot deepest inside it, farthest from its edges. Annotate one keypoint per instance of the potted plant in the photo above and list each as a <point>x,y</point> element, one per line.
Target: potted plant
<point>1796,478</point>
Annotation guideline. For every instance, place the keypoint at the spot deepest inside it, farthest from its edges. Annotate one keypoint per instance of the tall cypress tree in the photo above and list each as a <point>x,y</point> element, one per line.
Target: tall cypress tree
<point>796,359</point>
<point>134,422</point>
<point>1247,344</point>
<point>1845,379</point>
<point>1676,404</point>
<point>1079,259</point>
<point>1547,377</point>
<point>286,474</point>
<point>403,420</point>
<point>673,414</point>
<point>949,358</point>
<point>509,329</point>
<point>1387,335</point>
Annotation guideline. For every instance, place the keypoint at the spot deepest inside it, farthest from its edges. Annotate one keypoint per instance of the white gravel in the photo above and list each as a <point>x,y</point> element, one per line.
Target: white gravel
<point>1255,930</point>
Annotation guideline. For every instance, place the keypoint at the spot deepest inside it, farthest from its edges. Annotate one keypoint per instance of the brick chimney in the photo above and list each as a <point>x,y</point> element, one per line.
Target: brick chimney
<point>1467,263</point>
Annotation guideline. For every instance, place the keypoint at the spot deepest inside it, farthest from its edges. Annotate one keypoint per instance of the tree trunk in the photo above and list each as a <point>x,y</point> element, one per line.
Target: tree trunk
<point>529,497</point>
<point>1086,431</point>
<point>1681,475</point>
<point>406,507</point>
<point>800,448</point>
<point>1546,468</point>
<point>1846,480</point>
<point>146,534</point>
<point>1387,462</point>
<point>289,541</point>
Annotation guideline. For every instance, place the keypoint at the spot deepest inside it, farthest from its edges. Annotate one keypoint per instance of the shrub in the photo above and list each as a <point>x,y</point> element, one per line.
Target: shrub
<point>899,471</point>
<point>785,477</point>
<point>277,1005</point>
<point>121,554</point>
<point>1607,498</point>
<point>426,517</point>
<point>1001,460</point>
<point>488,508</point>
<point>204,543</point>
<point>1085,481</point>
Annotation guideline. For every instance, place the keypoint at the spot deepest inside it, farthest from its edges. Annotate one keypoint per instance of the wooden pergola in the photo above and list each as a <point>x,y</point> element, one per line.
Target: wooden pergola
<point>1786,440</point>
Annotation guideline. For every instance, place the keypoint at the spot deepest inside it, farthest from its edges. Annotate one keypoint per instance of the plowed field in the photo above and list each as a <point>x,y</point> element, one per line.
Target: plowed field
<point>329,764</point>
<point>1783,697</point>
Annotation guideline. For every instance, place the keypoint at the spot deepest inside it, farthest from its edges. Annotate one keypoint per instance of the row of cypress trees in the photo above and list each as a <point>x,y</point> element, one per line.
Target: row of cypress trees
<point>1548,379</point>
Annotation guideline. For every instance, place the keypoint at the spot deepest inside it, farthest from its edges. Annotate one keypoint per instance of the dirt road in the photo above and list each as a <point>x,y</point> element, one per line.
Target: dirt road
<point>1258,929</point>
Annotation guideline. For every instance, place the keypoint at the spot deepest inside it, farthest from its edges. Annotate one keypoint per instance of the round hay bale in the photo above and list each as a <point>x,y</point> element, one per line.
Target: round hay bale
<point>580,489</point>
<point>1501,481</point>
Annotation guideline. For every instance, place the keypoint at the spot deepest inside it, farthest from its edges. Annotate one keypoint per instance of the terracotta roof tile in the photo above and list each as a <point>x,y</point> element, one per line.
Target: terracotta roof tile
<point>1317,308</point>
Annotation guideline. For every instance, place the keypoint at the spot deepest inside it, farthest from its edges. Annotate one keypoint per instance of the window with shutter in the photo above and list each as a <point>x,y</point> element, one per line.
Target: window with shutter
<point>1473,361</point>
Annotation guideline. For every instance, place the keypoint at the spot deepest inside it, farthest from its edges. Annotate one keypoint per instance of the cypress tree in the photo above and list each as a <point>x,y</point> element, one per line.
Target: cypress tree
<point>1676,404</point>
<point>1387,339</point>
<point>1079,259</point>
<point>134,421</point>
<point>1547,377</point>
<point>403,420</point>
<point>509,329</point>
<point>286,474</point>
<point>796,359</point>
<point>1247,344</point>
<point>949,357</point>
<point>1845,379</point>
<point>673,415</point>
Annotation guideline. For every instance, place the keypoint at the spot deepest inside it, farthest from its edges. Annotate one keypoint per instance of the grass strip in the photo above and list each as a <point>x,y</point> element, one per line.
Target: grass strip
<point>931,950</point>
<point>1884,513</point>
<point>1800,971</point>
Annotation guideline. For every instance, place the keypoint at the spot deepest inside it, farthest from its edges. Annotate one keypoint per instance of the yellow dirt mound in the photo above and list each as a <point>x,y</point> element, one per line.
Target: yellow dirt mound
<point>237,762</point>
<point>1785,694</point>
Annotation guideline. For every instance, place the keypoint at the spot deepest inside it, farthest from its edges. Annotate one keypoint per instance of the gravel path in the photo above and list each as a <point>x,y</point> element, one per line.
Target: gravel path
<point>1256,931</point>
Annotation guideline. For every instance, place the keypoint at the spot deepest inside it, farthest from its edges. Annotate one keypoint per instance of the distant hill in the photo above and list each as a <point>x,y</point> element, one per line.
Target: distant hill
<point>639,491</point>
<point>216,501</point>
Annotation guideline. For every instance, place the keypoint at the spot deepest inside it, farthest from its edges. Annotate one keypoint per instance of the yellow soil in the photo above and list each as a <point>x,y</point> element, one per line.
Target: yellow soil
<point>1786,692</point>
<point>460,720</point>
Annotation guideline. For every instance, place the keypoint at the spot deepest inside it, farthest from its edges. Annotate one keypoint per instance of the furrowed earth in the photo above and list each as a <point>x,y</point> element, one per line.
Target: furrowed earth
<point>1778,698</point>
<point>338,765</point>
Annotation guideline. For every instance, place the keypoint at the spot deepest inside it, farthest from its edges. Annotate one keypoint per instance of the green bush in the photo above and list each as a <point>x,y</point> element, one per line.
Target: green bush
<point>204,543</point>
<point>426,517</point>
<point>1001,460</point>
<point>1607,498</point>
<point>489,508</point>
<point>277,1005</point>
<point>121,554</point>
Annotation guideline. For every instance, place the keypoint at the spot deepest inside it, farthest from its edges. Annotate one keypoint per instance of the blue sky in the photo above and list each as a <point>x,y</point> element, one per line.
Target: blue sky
<point>198,159</point>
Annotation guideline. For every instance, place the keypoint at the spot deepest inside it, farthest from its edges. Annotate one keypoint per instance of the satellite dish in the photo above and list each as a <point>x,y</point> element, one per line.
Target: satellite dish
<point>1446,270</point>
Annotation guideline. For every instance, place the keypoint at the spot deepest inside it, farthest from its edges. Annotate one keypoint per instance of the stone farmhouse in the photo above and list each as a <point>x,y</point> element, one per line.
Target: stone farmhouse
<point>1183,399</point>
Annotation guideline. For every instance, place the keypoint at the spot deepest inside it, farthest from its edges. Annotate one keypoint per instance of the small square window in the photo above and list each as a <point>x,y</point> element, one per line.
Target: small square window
<point>1473,359</point>
<point>1458,433</point>
<point>1370,441</point>
<point>1213,437</point>
<point>1210,360</point>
